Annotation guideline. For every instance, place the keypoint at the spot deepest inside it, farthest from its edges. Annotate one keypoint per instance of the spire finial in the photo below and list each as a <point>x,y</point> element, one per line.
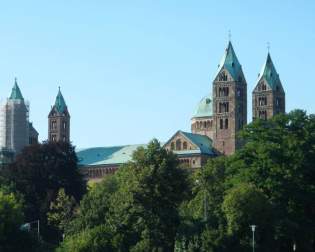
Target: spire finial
<point>59,88</point>
<point>230,36</point>
<point>15,80</point>
<point>268,46</point>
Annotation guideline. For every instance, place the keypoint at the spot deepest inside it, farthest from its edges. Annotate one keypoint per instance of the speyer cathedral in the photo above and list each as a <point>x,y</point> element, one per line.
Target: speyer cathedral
<point>218,117</point>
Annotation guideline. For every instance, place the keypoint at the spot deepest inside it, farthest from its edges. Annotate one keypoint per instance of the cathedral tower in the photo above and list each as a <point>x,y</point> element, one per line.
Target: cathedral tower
<point>59,121</point>
<point>14,123</point>
<point>229,102</point>
<point>268,94</point>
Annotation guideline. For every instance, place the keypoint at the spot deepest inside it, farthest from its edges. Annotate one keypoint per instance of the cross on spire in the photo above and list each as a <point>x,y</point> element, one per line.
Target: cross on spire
<point>268,46</point>
<point>230,35</point>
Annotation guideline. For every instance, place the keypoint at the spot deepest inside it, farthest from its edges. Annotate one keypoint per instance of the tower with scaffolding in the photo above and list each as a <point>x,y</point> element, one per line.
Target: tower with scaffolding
<point>15,127</point>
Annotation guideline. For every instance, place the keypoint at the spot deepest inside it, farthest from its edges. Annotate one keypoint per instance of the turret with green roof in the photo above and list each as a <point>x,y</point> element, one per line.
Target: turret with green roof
<point>269,74</point>
<point>16,93</point>
<point>268,94</point>
<point>59,121</point>
<point>60,103</point>
<point>230,63</point>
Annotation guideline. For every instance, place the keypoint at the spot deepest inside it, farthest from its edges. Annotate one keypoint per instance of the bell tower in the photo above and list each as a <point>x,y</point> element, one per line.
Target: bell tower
<point>229,102</point>
<point>59,121</point>
<point>268,94</point>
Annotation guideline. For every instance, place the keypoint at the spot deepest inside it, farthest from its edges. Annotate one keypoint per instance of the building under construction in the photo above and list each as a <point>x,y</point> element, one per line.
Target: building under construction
<point>16,131</point>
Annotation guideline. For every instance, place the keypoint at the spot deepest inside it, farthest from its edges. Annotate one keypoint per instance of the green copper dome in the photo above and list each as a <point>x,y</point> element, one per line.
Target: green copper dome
<point>230,62</point>
<point>60,103</point>
<point>16,92</point>
<point>204,107</point>
<point>269,73</point>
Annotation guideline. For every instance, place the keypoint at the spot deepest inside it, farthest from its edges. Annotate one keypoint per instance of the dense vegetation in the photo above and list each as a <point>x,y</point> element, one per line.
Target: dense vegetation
<point>154,204</point>
<point>31,185</point>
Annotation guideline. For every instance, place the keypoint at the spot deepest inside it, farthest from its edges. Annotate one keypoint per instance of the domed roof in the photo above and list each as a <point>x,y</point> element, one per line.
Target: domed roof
<point>204,107</point>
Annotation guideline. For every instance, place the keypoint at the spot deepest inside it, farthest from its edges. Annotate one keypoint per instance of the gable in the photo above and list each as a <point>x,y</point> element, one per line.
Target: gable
<point>180,142</point>
<point>224,75</point>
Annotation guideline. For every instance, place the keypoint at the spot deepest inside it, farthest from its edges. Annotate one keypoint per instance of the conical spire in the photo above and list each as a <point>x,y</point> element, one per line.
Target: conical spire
<point>269,73</point>
<point>60,103</point>
<point>16,92</point>
<point>230,62</point>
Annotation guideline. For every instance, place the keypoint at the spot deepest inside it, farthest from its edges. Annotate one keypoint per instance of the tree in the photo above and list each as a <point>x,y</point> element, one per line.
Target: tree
<point>245,205</point>
<point>161,188</point>
<point>138,205</point>
<point>61,211</point>
<point>97,239</point>
<point>279,158</point>
<point>11,218</point>
<point>38,173</point>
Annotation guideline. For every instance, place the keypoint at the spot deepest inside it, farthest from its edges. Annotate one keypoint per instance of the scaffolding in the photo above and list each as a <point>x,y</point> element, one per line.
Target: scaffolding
<point>14,125</point>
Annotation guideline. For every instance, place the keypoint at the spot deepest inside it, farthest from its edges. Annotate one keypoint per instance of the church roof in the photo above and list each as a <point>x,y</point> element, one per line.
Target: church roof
<point>204,107</point>
<point>230,62</point>
<point>16,93</point>
<point>113,155</point>
<point>60,103</point>
<point>269,73</point>
<point>203,142</point>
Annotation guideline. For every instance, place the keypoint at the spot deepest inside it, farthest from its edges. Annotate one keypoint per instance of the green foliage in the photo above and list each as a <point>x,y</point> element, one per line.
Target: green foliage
<point>279,160</point>
<point>11,218</point>
<point>38,173</point>
<point>138,205</point>
<point>269,182</point>
<point>11,214</point>
<point>97,239</point>
<point>61,211</point>
<point>244,205</point>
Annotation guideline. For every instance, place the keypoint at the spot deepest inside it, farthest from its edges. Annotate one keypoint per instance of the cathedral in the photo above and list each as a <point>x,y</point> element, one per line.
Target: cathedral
<point>218,118</point>
<point>215,123</point>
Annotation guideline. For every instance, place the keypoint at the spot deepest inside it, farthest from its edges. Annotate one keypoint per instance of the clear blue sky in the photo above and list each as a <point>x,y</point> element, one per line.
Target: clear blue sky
<point>134,70</point>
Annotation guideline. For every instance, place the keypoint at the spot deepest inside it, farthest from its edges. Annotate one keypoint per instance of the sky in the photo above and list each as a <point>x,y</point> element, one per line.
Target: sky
<point>135,70</point>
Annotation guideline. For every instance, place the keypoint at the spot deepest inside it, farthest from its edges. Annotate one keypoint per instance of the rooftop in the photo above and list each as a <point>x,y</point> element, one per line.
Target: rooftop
<point>204,107</point>
<point>16,93</point>
<point>230,62</point>
<point>269,73</point>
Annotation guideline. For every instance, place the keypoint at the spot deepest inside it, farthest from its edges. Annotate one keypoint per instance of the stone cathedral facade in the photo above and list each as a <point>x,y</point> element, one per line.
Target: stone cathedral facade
<point>215,124</point>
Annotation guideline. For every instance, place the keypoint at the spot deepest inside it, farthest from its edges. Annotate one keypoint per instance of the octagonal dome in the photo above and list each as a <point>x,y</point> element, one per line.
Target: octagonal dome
<point>204,107</point>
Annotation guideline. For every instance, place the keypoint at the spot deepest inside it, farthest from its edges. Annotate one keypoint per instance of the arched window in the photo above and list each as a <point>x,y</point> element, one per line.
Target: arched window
<point>204,124</point>
<point>184,145</point>
<point>226,123</point>
<point>221,123</point>
<point>172,146</point>
<point>262,114</point>
<point>208,124</point>
<point>178,144</point>
<point>222,76</point>
<point>263,87</point>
